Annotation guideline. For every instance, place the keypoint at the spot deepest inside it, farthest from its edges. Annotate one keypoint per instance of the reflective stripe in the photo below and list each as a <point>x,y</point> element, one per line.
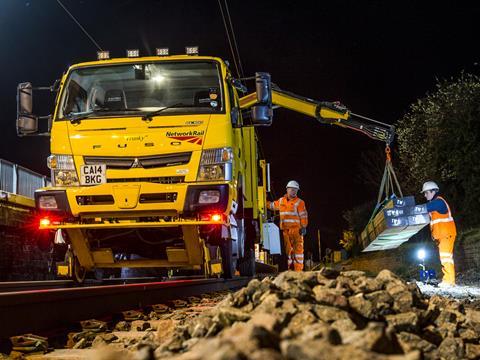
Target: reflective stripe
<point>291,220</point>
<point>295,206</point>
<point>447,261</point>
<point>302,213</point>
<point>281,201</point>
<point>287,213</point>
<point>446,253</point>
<point>445,220</point>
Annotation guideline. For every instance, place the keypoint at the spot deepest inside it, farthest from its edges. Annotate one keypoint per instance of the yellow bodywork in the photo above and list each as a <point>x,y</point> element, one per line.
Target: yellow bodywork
<point>134,137</point>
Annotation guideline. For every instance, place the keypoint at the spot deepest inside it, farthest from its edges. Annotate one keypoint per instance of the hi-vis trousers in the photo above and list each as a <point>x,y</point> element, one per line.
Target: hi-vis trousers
<point>293,242</point>
<point>445,247</point>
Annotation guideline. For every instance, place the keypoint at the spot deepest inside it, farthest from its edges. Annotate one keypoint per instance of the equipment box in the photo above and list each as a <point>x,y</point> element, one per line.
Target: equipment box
<point>397,221</point>
<point>400,202</point>
<point>418,209</point>
<point>420,219</point>
<point>395,212</point>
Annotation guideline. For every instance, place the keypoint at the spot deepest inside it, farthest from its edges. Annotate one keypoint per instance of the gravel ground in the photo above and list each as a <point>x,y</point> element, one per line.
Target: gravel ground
<point>324,314</point>
<point>459,292</point>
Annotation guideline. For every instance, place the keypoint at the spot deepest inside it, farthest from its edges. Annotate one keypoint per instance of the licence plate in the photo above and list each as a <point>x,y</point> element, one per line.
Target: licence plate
<point>93,174</point>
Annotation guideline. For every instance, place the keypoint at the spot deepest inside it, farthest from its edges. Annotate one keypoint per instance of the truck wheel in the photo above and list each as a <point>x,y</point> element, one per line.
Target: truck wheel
<point>228,264</point>
<point>246,265</point>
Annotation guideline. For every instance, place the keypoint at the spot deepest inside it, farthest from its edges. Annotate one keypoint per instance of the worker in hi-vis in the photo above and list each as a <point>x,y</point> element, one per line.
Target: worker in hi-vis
<point>443,230</point>
<point>293,223</point>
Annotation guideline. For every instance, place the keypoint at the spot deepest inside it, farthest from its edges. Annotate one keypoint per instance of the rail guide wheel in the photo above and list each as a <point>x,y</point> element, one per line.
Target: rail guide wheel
<point>212,261</point>
<point>71,268</point>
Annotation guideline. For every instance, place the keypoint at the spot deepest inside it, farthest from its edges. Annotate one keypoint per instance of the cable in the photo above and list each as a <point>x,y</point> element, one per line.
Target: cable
<point>228,38</point>
<point>81,27</point>
<point>234,39</point>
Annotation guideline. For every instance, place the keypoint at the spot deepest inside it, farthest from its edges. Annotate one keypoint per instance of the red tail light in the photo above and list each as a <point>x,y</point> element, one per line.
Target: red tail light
<point>45,221</point>
<point>216,217</point>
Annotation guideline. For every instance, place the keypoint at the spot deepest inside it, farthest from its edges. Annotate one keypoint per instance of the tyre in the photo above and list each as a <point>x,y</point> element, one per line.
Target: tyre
<point>228,264</point>
<point>246,265</point>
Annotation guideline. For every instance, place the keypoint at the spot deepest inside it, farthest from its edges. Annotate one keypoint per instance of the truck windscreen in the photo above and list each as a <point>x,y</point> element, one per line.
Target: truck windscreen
<point>140,88</point>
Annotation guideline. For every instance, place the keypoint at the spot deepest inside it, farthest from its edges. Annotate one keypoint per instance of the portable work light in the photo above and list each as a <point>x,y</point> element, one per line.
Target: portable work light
<point>421,254</point>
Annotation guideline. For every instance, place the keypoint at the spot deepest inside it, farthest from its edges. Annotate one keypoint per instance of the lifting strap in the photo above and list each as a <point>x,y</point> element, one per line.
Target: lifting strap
<point>388,184</point>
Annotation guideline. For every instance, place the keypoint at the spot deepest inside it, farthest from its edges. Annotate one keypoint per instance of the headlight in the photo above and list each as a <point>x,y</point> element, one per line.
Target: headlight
<point>209,197</point>
<point>216,164</point>
<point>47,202</point>
<point>63,170</point>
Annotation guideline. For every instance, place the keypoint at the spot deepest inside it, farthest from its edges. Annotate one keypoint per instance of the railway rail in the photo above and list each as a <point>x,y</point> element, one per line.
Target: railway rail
<point>38,311</point>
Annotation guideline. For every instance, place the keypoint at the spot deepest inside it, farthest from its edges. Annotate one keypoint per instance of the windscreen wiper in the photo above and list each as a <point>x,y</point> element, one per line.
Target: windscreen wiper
<point>75,118</point>
<point>149,116</point>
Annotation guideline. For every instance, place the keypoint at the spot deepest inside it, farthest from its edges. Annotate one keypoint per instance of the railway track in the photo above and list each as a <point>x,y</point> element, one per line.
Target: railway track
<point>38,311</point>
<point>13,286</point>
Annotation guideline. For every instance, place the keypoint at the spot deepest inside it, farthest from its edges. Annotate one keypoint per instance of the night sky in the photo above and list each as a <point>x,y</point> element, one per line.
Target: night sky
<point>376,57</point>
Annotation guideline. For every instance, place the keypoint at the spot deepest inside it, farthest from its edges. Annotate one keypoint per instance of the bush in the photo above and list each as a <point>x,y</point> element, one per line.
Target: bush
<point>438,140</point>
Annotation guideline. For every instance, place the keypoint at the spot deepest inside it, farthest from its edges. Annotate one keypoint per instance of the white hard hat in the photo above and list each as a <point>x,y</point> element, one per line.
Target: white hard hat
<point>293,184</point>
<point>429,185</point>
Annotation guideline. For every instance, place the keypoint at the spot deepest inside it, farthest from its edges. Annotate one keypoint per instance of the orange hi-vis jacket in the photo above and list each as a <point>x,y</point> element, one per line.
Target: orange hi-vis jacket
<point>292,212</point>
<point>442,225</point>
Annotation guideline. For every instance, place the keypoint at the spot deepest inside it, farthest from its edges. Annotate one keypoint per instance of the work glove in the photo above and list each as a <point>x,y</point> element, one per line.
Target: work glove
<point>303,231</point>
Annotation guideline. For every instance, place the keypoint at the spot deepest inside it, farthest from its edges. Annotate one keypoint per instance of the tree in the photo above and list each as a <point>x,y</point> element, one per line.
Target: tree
<point>438,139</point>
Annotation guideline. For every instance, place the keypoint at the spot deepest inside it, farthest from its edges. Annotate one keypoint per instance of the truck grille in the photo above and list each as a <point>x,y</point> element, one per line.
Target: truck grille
<point>158,198</point>
<point>157,180</point>
<point>146,162</point>
<point>95,200</point>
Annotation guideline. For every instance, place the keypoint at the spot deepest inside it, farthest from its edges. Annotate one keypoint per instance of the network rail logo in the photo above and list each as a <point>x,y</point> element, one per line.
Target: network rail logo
<point>193,136</point>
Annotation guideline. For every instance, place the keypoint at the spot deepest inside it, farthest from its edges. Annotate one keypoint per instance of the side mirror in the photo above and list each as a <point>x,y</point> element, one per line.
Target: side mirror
<point>262,113</point>
<point>27,123</point>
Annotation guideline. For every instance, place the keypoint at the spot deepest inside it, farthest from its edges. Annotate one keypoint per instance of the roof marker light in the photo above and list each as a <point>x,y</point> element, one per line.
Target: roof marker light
<point>162,51</point>
<point>103,55</point>
<point>132,53</point>
<point>191,50</point>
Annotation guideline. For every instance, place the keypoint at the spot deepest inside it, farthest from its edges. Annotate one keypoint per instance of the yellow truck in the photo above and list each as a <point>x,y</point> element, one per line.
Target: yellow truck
<point>154,161</point>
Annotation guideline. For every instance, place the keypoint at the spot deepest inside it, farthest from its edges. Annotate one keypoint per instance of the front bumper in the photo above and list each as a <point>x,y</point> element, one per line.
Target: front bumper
<point>122,203</point>
<point>102,224</point>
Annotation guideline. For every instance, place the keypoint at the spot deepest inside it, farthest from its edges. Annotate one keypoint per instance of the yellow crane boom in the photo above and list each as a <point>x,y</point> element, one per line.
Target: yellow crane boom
<point>332,113</point>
